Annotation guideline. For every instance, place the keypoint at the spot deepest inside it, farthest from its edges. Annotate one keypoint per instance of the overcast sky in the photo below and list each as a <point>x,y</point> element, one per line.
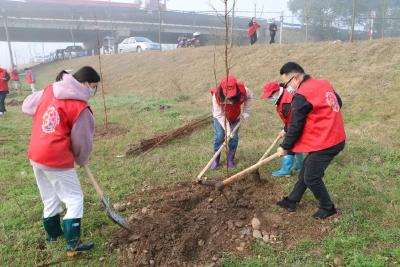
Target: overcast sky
<point>24,51</point>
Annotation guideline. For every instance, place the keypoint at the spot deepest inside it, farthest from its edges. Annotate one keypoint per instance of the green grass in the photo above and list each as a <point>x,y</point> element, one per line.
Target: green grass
<point>363,180</point>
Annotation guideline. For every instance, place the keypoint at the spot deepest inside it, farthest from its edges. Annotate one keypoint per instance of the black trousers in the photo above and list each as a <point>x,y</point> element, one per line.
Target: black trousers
<point>2,101</point>
<point>272,34</point>
<point>253,39</point>
<point>311,174</point>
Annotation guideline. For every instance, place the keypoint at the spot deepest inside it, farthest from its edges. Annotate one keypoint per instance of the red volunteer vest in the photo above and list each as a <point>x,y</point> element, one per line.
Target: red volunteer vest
<point>3,83</point>
<point>50,143</point>
<point>29,77</point>
<point>14,76</point>
<point>232,111</point>
<point>324,126</point>
<point>286,99</point>
<point>253,29</point>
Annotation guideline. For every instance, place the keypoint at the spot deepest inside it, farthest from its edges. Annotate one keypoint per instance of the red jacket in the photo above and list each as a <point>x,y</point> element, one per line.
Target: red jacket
<point>3,80</point>
<point>232,111</point>
<point>30,77</point>
<point>286,99</point>
<point>253,29</point>
<point>14,75</point>
<point>50,143</point>
<point>324,125</point>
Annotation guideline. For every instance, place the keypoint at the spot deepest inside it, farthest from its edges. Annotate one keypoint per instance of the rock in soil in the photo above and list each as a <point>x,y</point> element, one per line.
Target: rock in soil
<point>257,234</point>
<point>255,223</point>
<point>177,229</point>
<point>120,207</point>
<point>338,262</point>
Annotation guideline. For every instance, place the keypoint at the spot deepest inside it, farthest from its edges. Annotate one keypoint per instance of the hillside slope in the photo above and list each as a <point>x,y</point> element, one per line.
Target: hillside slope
<point>364,73</point>
<point>153,92</point>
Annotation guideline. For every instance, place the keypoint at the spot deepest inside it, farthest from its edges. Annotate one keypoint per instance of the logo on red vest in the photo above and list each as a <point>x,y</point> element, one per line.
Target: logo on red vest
<point>332,101</point>
<point>50,120</point>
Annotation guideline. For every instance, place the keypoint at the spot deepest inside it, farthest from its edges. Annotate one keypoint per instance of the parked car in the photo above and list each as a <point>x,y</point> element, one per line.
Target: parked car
<point>74,51</point>
<point>137,44</point>
<point>41,59</point>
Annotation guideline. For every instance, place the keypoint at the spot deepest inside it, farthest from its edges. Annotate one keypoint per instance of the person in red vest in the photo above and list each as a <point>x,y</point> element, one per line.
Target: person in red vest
<point>282,98</point>
<point>227,101</point>
<point>14,80</point>
<point>31,79</point>
<point>252,32</point>
<point>4,78</point>
<point>316,127</point>
<point>62,135</point>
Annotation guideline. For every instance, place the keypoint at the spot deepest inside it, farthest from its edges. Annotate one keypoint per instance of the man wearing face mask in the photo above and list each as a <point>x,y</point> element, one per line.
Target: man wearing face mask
<point>282,98</point>
<point>62,135</point>
<point>316,127</point>
<point>227,101</point>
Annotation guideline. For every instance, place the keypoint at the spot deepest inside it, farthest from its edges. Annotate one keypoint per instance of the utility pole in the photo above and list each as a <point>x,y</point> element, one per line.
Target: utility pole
<point>383,18</point>
<point>160,22</point>
<point>353,21</point>
<point>71,30</point>
<point>8,37</point>
<point>306,18</point>
<point>281,29</point>
<point>373,17</point>
<point>255,10</point>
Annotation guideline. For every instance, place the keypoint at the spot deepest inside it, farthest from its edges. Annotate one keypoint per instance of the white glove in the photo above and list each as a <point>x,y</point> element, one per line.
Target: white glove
<point>245,115</point>
<point>282,133</point>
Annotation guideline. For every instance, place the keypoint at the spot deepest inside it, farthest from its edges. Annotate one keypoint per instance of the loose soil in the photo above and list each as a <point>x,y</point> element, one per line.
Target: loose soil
<point>192,225</point>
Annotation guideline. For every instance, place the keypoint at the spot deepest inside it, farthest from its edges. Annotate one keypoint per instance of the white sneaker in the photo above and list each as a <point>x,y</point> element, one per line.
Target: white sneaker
<point>1,113</point>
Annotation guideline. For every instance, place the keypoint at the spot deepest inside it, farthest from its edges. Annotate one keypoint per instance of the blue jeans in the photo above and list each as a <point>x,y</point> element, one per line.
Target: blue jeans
<point>2,101</point>
<point>219,136</point>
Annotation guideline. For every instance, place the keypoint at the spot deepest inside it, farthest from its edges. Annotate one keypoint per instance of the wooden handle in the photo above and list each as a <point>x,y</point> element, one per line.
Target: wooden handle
<point>243,173</point>
<point>270,148</point>
<point>93,181</point>
<point>217,153</point>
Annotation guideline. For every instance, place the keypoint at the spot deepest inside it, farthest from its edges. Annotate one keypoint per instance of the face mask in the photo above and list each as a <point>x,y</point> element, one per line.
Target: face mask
<point>273,99</point>
<point>92,92</point>
<point>291,90</point>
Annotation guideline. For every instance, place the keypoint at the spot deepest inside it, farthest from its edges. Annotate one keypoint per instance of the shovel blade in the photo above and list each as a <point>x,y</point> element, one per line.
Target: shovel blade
<point>115,217</point>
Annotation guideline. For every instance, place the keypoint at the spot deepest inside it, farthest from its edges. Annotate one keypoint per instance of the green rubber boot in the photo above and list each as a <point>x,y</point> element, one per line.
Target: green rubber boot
<point>53,227</point>
<point>72,233</point>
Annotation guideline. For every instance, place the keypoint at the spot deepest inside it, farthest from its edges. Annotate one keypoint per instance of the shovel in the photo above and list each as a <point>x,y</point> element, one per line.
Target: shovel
<point>115,217</point>
<point>199,177</point>
<point>220,185</point>
<point>256,173</point>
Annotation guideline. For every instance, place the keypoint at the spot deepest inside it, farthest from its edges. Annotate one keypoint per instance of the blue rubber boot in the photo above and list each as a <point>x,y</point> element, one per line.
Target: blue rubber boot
<point>287,163</point>
<point>53,227</point>
<point>299,158</point>
<point>72,233</point>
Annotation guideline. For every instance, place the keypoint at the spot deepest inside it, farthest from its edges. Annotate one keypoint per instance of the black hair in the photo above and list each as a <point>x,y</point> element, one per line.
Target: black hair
<point>291,67</point>
<point>87,74</point>
<point>60,75</point>
<point>234,99</point>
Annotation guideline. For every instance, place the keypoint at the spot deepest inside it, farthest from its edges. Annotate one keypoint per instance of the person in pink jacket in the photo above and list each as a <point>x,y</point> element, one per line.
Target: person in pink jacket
<point>62,136</point>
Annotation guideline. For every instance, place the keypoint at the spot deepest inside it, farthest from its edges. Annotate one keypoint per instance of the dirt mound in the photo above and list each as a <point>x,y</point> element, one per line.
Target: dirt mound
<point>101,131</point>
<point>189,225</point>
